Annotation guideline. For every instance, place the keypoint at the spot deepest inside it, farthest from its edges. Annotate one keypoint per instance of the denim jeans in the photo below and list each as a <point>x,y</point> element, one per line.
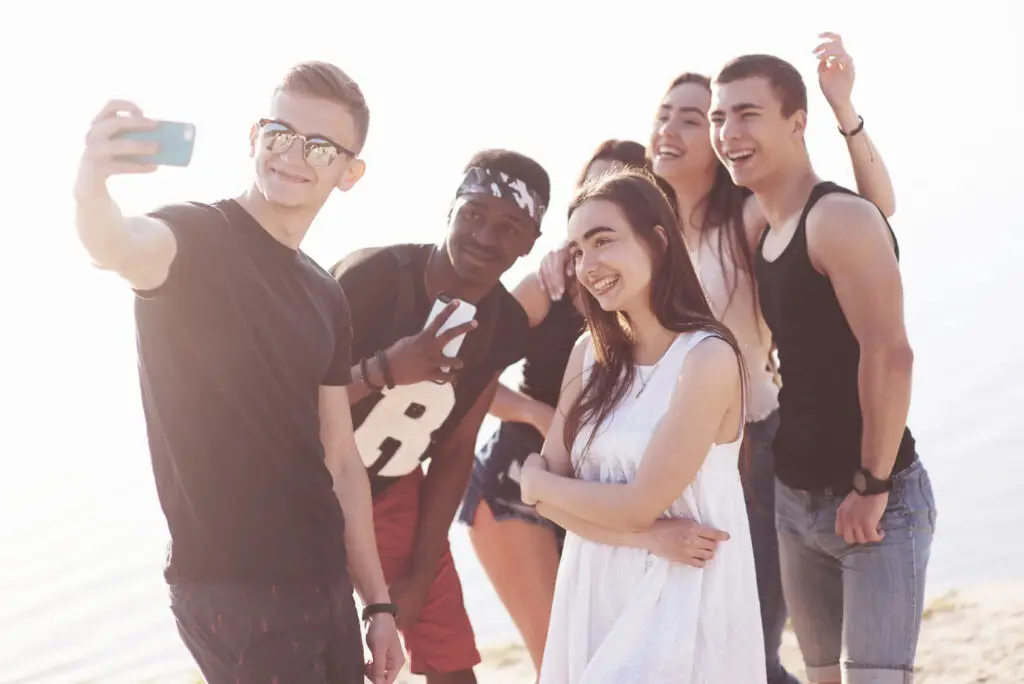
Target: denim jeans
<point>856,608</point>
<point>758,475</point>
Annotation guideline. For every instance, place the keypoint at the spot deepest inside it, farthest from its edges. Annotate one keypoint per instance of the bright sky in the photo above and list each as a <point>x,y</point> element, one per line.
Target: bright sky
<point>940,90</point>
<point>941,97</point>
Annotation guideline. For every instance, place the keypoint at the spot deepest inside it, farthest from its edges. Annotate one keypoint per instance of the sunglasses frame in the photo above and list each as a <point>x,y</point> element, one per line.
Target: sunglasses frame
<point>306,140</point>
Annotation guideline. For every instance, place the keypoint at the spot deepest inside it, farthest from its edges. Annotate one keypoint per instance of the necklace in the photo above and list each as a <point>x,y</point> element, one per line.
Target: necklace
<point>643,381</point>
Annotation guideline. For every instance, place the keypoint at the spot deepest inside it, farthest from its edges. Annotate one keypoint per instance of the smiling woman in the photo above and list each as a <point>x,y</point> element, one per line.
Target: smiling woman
<point>649,425</point>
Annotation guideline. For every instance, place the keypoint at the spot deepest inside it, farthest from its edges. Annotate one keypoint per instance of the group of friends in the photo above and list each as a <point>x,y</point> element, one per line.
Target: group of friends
<point>639,526</point>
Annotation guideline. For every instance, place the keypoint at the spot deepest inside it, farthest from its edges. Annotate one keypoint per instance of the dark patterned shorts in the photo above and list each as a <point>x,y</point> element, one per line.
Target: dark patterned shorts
<point>270,633</point>
<point>495,478</point>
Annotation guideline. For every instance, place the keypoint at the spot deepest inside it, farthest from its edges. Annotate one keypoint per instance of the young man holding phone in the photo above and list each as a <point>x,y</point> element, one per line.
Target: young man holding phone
<point>244,354</point>
<point>412,402</point>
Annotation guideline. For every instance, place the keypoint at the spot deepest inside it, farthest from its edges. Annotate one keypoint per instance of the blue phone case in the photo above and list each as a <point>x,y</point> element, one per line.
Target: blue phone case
<point>176,140</point>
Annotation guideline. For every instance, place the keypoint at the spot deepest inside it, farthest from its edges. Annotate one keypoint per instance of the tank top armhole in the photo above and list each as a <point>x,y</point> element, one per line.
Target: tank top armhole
<point>696,339</point>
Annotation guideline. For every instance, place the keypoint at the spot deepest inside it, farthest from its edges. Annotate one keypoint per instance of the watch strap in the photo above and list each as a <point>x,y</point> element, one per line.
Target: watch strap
<point>872,484</point>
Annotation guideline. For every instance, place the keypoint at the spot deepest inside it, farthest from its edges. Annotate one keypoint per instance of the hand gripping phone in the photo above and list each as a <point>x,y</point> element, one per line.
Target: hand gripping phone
<point>175,138</point>
<point>463,313</point>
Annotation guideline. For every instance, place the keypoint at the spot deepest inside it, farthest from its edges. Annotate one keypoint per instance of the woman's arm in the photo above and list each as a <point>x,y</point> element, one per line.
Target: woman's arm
<point>707,393</point>
<point>679,540</point>
<point>556,457</point>
<point>531,296</point>
<point>515,407</point>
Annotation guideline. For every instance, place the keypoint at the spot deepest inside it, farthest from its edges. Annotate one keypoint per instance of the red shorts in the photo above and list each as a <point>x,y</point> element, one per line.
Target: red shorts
<point>442,639</point>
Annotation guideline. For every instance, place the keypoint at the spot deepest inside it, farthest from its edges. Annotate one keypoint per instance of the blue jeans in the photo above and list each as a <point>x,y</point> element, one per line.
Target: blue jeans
<point>758,475</point>
<point>861,601</point>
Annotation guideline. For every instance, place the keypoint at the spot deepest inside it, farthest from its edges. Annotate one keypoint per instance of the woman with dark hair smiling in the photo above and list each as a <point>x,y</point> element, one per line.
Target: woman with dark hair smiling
<point>518,548</point>
<point>648,427</point>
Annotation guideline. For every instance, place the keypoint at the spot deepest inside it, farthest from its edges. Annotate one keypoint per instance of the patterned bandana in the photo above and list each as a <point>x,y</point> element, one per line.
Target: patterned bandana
<point>482,181</point>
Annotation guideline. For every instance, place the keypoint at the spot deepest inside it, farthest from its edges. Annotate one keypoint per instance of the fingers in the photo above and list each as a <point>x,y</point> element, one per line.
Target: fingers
<point>450,334</point>
<point>552,274</point>
<point>445,376</point>
<point>445,314</point>
<point>708,532</point>
<point>123,148</point>
<point>395,662</point>
<point>114,106</point>
<point>377,665</point>
<point>106,129</point>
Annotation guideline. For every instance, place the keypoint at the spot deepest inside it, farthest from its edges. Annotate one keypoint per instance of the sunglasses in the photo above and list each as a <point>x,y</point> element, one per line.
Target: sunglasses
<point>317,151</point>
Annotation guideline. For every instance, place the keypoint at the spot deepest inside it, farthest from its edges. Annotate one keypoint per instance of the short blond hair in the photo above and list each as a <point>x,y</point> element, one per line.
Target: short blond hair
<point>328,82</point>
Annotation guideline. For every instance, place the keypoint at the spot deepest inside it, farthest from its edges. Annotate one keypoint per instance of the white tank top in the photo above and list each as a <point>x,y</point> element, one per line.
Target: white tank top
<point>742,317</point>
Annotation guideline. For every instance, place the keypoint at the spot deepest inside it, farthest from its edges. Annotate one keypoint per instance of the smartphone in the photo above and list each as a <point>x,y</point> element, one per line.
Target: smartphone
<point>176,140</point>
<point>463,313</point>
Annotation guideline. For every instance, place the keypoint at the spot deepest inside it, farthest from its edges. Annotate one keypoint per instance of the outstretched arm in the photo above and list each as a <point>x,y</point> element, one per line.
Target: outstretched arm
<point>139,249</point>
<point>707,389</point>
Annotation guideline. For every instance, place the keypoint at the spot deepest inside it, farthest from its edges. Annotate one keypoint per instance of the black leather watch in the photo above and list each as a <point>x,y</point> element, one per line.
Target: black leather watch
<point>866,484</point>
<point>375,608</point>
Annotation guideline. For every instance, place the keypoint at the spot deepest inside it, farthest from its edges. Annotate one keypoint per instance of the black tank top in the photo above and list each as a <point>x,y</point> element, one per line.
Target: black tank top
<point>550,345</point>
<point>818,444</point>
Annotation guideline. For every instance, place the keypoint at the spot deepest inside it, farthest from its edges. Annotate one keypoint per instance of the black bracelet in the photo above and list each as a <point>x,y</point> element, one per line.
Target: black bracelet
<point>385,369</point>
<point>376,608</point>
<point>364,368</point>
<point>855,131</point>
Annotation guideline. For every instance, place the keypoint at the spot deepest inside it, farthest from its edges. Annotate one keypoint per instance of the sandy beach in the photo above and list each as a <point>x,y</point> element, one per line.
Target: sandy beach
<point>969,636</point>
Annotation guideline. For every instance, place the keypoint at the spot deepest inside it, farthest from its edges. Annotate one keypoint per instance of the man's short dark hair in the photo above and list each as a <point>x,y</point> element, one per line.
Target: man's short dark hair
<point>783,78</point>
<point>518,166</point>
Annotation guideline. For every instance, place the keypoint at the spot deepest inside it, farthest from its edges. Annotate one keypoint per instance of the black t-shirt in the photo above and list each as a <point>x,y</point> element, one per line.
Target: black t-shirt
<point>232,350</point>
<point>397,430</point>
<point>551,344</point>
<point>818,443</point>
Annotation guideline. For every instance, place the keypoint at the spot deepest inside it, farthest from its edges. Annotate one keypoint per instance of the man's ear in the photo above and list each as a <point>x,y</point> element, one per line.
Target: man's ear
<point>356,169</point>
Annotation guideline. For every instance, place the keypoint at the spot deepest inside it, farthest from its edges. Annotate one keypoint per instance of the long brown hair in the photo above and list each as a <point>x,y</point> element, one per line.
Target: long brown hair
<point>723,215</point>
<point>628,153</point>
<point>676,297</point>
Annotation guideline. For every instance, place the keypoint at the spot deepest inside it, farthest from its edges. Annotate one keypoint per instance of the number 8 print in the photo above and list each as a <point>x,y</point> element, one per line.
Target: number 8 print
<point>397,432</point>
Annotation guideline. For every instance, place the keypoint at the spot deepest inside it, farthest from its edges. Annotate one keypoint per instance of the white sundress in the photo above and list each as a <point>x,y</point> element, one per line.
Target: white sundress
<point>622,615</point>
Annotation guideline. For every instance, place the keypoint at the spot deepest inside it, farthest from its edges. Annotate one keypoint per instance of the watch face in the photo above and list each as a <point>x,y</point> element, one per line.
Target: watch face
<point>859,482</point>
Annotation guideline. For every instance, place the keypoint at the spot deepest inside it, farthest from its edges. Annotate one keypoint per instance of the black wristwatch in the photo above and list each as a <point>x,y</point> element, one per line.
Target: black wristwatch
<point>375,608</point>
<point>866,484</point>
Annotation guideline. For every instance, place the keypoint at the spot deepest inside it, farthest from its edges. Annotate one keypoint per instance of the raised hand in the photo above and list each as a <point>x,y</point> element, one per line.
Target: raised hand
<point>105,154</point>
<point>835,70</point>
<point>421,356</point>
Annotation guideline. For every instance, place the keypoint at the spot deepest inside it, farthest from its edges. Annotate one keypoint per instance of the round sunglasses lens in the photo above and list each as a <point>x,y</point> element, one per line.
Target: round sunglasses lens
<point>321,154</point>
<point>277,138</point>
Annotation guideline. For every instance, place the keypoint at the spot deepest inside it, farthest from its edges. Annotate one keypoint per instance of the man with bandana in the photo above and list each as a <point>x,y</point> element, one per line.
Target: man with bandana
<point>412,404</point>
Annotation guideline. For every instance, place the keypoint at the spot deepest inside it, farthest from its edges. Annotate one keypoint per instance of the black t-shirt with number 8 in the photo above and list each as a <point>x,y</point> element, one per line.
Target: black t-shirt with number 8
<point>396,430</point>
